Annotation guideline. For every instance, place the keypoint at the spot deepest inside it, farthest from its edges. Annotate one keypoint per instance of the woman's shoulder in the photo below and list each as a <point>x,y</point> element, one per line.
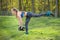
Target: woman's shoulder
<point>19,12</point>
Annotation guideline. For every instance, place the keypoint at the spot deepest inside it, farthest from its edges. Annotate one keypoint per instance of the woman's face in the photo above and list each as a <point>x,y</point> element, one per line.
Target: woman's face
<point>13,12</point>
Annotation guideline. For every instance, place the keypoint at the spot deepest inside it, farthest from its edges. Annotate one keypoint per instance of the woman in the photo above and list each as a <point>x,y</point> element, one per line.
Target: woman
<point>20,14</point>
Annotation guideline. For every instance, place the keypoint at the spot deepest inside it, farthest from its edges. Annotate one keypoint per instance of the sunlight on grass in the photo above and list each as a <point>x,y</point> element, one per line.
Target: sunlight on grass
<point>42,28</point>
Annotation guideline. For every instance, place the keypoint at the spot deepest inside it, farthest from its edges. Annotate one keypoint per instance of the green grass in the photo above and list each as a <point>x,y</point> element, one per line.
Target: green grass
<point>41,28</point>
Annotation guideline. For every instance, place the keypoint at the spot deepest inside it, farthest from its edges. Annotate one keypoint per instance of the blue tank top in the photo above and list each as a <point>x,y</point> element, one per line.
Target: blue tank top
<point>22,14</point>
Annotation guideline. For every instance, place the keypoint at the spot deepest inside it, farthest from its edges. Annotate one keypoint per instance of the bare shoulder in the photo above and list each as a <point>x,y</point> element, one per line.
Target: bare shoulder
<point>19,13</point>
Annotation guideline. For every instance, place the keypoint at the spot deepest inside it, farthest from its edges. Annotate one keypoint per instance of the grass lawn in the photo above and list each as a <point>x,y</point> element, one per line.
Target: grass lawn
<point>41,28</point>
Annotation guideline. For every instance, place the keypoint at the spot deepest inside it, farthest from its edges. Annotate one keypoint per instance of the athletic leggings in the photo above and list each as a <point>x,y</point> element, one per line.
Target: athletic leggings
<point>28,17</point>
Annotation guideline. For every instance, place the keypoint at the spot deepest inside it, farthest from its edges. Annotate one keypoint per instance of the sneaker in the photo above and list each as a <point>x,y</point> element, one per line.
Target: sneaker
<point>21,28</point>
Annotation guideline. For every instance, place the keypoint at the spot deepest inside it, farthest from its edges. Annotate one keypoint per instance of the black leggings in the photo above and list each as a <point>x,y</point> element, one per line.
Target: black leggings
<point>28,17</point>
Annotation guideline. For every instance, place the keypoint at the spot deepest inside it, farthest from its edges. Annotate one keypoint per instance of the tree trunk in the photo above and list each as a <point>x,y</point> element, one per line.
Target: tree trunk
<point>48,5</point>
<point>32,6</point>
<point>57,9</point>
<point>44,4</point>
<point>20,6</point>
<point>1,4</point>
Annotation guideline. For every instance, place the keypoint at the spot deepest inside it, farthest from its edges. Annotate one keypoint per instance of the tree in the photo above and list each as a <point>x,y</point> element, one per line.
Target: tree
<point>1,4</point>
<point>57,8</point>
<point>32,6</point>
<point>48,4</point>
<point>20,6</point>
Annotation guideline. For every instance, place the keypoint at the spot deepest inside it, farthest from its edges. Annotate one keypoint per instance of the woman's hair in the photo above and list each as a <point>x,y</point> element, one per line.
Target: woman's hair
<point>16,10</point>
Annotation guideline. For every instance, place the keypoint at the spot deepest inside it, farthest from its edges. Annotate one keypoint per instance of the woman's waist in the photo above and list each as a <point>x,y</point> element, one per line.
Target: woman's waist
<point>29,14</point>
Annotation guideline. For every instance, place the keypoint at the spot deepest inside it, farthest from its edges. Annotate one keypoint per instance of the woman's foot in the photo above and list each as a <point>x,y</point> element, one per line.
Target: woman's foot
<point>21,28</point>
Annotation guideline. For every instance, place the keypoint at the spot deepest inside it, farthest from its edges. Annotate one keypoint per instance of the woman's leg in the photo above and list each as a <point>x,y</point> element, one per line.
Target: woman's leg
<point>30,14</point>
<point>26,24</point>
<point>38,15</point>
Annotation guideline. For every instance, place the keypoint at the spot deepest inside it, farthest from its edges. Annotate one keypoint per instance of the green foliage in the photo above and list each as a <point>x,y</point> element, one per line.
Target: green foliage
<point>8,4</point>
<point>41,28</point>
<point>39,5</point>
<point>36,6</point>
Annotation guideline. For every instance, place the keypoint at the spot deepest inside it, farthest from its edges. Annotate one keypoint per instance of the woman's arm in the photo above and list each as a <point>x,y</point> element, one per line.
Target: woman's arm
<point>20,22</point>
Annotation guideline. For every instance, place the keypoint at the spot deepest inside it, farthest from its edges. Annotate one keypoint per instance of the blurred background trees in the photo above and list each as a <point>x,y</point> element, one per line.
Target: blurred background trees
<point>35,6</point>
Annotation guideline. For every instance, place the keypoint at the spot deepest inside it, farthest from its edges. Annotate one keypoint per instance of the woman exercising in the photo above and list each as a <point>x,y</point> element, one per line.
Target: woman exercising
<point>20,14</point>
